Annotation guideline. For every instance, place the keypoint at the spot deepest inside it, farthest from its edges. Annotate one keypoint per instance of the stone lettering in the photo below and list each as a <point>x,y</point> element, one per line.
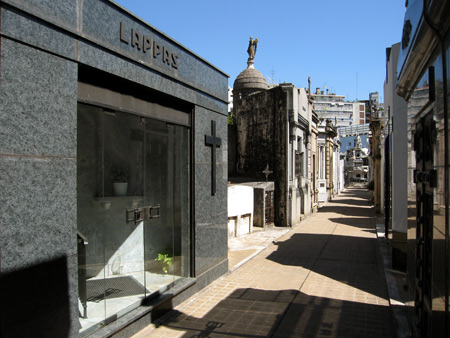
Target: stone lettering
<point>156,49</point>
<point>166,56</point>
<point>174,60</point>
<point>136,39</point>
<point>122,33</point>
<point>147,43</point>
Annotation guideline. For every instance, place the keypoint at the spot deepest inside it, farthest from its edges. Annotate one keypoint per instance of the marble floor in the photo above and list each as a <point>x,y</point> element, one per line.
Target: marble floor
<point>116,295</point>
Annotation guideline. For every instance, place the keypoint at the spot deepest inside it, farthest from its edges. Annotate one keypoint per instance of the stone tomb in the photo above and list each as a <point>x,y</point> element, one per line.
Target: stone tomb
<point>240,210</point>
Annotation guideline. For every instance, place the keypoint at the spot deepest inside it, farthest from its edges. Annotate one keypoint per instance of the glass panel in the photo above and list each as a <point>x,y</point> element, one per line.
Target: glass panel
<point>418,99</point>
<point>438,305</point>
<point>90,214</point>
<point>447,234</point>
<point>133,242</point>
<point>167,185</point>
<point>181,195</point>
<point>110,148</point>
<point>122,150</point>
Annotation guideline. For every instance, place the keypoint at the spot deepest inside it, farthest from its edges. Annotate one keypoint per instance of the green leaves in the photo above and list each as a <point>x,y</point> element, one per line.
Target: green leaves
<point>165,261</point>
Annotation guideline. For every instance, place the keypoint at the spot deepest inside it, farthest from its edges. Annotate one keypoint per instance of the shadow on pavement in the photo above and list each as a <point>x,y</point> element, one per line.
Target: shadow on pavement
<point>363,193</point>
<point>350,260</point>
<point>348,256</point>
<point>343,295</point>
<point>347,211</point>
<point>357,222</point>
<point>353,201</point>
<point>286,313</point>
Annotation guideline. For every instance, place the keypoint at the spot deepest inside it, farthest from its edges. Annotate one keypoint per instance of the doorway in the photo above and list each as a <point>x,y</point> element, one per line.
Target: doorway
<point>425,177</point>
<point>135,242</point>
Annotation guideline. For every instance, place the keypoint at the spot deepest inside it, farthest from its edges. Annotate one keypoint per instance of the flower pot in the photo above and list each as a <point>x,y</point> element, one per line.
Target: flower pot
<point>120,189</point>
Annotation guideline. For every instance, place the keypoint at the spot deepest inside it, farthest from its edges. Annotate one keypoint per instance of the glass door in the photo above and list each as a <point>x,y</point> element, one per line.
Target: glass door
<point>133,211</point>
<point>166,231</point>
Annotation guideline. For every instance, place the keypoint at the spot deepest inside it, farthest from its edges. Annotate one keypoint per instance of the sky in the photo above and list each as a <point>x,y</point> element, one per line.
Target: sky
<point>341,44</point>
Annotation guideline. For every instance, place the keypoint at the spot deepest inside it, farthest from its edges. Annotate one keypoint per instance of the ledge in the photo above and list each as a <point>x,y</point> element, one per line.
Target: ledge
<point>108,200</point>
<point>118,198</point>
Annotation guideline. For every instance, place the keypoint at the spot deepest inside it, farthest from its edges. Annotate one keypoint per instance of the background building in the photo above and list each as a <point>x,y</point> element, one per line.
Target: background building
<point>335,108</point>
<point>329,161</point>
<point>396,159</point>
<point>376,140</point>
<point>230,99</point>
<point>273,131</point>
<point>356,164</point>
<point>370,104</point>
<point>276,129</point>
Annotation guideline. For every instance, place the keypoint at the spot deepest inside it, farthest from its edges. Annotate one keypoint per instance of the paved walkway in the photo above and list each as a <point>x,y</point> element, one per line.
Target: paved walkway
<point>323,278</point>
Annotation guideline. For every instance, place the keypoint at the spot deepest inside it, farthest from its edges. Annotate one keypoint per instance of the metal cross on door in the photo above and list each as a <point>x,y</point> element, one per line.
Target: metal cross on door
<point>425,178</point>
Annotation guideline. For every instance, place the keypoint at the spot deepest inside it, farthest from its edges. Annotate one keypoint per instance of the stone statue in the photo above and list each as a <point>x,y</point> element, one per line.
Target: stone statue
<point>252,49</point>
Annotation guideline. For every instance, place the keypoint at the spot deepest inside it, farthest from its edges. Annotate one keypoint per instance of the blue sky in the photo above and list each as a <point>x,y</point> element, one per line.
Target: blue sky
<point>341,44</point>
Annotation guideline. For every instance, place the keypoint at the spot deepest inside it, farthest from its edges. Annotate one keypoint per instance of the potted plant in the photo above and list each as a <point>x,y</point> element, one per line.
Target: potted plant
<point>165,261</point>
<point>120,182</point>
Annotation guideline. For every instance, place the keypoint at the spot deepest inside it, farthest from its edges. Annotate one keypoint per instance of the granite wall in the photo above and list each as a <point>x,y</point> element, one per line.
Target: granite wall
<point>38,187</point>
<point>210,211</point>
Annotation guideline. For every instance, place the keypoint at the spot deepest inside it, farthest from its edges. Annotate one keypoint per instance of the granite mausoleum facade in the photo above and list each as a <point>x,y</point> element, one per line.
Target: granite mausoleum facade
<point>92,96</point>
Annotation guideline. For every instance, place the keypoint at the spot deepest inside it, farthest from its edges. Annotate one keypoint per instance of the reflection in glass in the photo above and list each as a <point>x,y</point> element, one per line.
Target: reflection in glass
<point>447,232</point>
<point>124,256</point>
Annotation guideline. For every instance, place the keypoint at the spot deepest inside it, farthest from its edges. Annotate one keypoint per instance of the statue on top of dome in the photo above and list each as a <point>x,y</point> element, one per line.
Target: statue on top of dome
<point>252,45</point>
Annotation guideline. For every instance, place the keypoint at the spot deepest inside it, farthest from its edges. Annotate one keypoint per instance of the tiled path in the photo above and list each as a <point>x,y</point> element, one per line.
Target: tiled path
<point>324,278</point>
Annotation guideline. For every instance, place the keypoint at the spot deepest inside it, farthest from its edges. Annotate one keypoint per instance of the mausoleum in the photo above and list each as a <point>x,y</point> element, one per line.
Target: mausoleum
<point>273,139</point>
<point>113,168</point>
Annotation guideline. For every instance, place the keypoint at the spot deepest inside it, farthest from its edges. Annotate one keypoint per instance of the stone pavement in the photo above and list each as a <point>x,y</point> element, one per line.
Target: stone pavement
<point>241,249</point>
<point>322,278</point>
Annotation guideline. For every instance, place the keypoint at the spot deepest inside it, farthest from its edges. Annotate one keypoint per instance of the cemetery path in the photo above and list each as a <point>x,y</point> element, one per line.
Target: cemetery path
<point>322,278</point>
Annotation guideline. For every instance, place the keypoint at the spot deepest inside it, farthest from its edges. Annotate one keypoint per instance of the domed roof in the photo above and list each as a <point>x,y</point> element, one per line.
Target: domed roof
<point>250,81</point>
